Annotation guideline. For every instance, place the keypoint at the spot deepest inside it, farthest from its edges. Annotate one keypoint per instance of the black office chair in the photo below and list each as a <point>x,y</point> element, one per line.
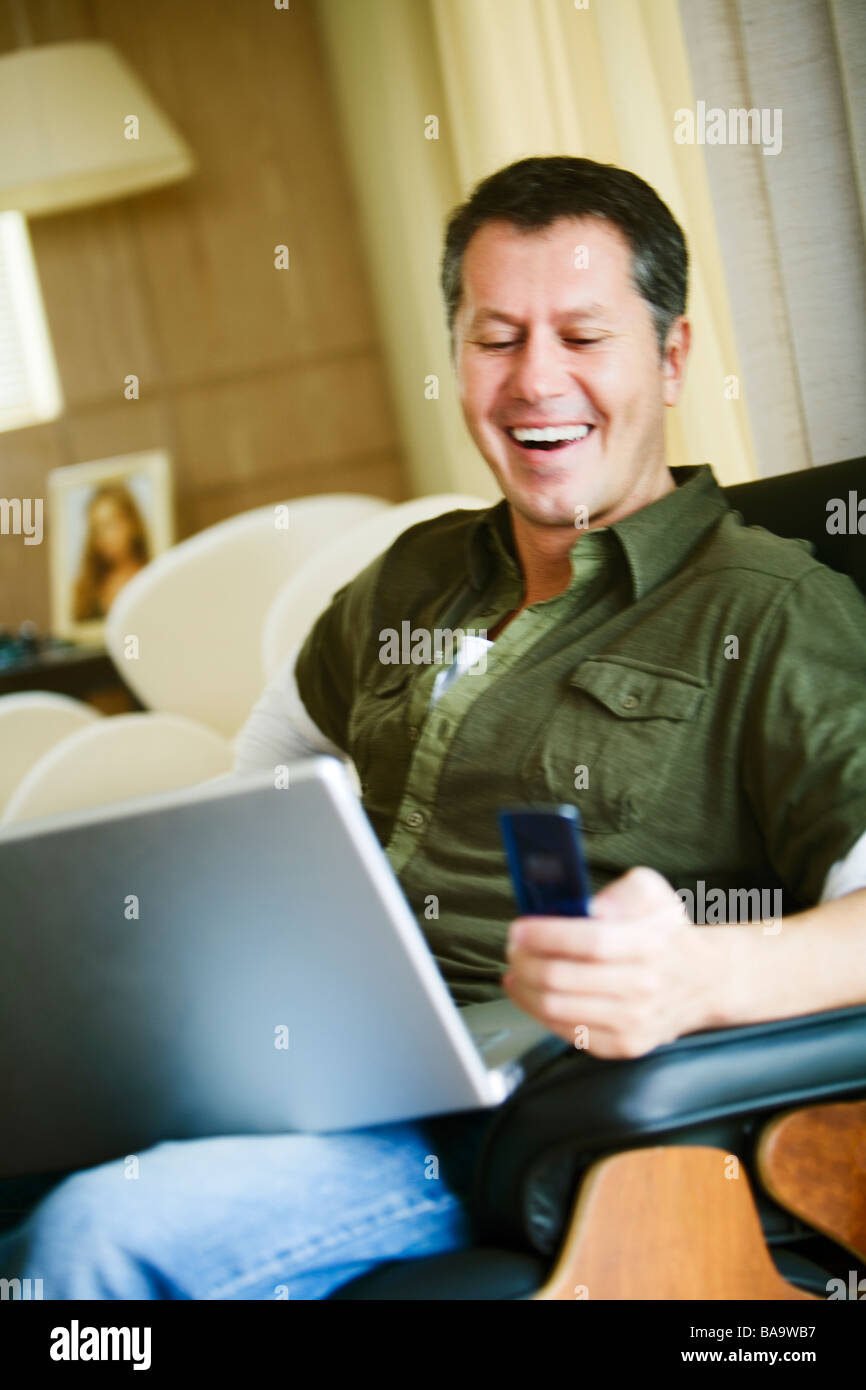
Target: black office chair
<point>714,1090</point>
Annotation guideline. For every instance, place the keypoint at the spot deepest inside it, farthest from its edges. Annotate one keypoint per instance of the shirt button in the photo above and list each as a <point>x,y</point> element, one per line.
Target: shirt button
<point>414,819</point>
<point>412,731</point>
<point>631,701</point>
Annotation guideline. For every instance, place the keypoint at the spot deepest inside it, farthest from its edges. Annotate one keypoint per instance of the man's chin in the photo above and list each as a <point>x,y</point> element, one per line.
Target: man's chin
<point>547,498</point>
<point>550,511</point>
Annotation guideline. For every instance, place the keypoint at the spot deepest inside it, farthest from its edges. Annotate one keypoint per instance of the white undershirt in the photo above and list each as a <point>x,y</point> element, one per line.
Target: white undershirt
<point>279,730</point>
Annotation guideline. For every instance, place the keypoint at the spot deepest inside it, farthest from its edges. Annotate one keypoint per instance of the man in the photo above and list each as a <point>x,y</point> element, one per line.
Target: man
<point>694,686</point>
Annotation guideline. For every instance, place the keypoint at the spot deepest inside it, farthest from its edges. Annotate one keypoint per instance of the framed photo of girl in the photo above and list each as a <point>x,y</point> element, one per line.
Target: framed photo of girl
<point>108,519</point>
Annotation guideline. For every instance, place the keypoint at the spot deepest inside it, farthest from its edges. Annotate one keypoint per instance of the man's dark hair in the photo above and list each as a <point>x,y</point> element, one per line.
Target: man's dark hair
<point>532,193</point>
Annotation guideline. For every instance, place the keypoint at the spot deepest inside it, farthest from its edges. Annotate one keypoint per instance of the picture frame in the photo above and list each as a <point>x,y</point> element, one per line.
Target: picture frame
<point>108,518</point>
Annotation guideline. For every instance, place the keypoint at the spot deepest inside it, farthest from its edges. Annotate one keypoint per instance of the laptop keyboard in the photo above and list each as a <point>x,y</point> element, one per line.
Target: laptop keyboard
<point>489,1037</point>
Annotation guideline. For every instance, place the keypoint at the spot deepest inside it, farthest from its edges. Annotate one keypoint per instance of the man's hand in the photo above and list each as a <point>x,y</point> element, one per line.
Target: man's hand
<point>631,977</point>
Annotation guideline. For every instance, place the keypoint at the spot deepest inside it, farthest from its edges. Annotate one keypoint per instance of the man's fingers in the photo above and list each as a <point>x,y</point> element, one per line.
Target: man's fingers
<point>584,938</point>
<point>566,1012</point>
<point>553,974</point>
<point>591,1023</point>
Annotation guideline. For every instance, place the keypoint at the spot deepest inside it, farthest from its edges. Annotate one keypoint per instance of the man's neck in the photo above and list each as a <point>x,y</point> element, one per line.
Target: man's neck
<point>545,551</point>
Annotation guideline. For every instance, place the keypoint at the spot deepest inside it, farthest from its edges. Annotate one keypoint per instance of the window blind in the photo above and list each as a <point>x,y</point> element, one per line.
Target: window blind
<point>29,384</point>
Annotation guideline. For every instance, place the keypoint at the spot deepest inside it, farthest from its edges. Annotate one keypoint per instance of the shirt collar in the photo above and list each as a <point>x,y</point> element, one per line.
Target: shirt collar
<point>654,540</point>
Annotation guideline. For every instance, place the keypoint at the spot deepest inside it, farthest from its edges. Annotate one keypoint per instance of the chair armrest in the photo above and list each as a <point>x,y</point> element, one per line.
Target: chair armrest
<point>597,1105</point>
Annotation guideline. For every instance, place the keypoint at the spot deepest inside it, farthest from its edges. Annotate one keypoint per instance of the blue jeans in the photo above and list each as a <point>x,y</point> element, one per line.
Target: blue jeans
<point>251,1217</point>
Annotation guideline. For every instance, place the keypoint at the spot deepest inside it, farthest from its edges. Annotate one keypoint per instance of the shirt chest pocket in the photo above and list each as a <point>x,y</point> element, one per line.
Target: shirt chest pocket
<point>615,739</point>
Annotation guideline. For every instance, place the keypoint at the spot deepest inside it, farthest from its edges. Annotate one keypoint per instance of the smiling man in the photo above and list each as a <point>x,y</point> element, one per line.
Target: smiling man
<point>569,338</point>
<point>693,685</point>
<point>562,379</point>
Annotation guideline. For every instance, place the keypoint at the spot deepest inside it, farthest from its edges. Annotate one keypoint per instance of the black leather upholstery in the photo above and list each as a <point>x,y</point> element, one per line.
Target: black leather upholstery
<point>587,1106</point>
<point>468,1274</point>
<point>795,504</point>
<point>498,1275</point>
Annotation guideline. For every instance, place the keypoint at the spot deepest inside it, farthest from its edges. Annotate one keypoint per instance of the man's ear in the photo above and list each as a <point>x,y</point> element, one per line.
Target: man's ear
<point>676,354</point>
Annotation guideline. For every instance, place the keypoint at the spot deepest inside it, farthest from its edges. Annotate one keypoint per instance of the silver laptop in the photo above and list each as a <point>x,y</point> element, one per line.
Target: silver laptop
<point>229,958</point>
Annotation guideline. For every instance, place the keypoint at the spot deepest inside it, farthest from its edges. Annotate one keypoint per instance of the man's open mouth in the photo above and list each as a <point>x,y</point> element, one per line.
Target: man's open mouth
<point>550,437</point>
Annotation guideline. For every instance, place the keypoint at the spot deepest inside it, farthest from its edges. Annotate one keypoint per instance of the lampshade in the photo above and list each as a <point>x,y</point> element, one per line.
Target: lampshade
<point>64,114</point>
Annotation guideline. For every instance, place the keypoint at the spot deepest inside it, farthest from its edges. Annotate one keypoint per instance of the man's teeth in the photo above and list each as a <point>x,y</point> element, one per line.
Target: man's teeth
<point>550,435</point>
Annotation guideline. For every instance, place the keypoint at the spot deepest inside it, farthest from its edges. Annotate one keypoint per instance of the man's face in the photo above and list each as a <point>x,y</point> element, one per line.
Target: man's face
<point>542,342</point>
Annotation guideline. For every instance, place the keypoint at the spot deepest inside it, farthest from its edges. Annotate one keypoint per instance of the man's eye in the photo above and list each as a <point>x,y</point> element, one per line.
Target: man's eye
<point>578,342</point>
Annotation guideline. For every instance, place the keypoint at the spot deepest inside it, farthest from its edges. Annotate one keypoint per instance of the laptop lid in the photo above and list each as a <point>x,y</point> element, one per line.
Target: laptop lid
<point>222,959</point>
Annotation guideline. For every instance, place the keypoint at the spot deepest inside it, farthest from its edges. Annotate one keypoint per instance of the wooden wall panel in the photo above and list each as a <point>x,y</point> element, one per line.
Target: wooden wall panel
<point>376,474</point>
<point>47,21</point>
<point>256,110</point>
<point>119,427</point>
<point>286,425</point>
<point>263,384</point>
<point>96,302</point>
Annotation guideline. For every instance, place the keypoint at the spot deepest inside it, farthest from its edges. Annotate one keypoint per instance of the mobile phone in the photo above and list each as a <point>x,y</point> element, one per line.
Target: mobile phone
<point>546,860</point>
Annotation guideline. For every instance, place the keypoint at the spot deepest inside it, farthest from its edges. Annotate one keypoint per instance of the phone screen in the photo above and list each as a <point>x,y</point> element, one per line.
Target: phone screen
<point>546,861</point>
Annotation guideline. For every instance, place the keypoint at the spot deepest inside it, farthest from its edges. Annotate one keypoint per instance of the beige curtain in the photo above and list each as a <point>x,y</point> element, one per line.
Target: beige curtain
<point>791,225</point>
<point>504,79</point>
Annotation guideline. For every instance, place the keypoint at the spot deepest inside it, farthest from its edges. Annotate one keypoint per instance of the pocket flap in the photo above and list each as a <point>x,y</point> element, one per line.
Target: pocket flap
<point>639,691</point>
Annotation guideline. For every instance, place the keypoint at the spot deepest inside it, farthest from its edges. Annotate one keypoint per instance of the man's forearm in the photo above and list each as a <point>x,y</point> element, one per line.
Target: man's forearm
<point>804,964</point>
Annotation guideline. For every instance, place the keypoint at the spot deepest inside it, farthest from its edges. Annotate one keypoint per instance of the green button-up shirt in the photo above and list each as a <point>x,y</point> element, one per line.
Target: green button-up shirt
<point>696,691</point>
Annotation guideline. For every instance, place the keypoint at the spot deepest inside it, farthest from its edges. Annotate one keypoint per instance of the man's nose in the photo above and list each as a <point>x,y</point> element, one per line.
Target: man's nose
<point>540,369</point>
